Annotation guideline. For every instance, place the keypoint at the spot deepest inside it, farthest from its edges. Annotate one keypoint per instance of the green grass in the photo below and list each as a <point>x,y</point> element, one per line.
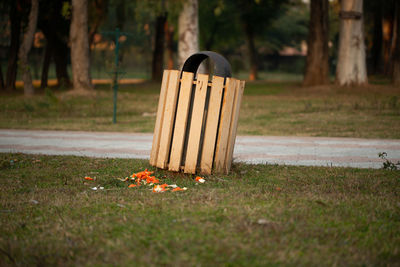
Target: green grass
<point>257,215</point>
<point>268,108</point>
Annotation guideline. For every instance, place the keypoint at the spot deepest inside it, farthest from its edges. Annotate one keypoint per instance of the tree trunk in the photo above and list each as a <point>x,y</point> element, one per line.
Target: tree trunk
<point>15,18</point>
<point>351,68</point>
<point>375,66</point>
<point>158,53</point>
<point>188,25</point>
<point>2,87</point>
<point>99,8</point>
<point>60,55</point>
<point>80,47</point>
<point>46,64</point>
<point>387,34</point>
<point>26,47</point>
<point>169,32</point>
<point>317,64</point>
<point>253,58</point>
<point>396,52</point>
<point>57,49</point>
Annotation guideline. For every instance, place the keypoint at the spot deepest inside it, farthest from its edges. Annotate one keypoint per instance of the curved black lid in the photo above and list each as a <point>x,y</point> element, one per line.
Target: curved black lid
<point>222,67</point>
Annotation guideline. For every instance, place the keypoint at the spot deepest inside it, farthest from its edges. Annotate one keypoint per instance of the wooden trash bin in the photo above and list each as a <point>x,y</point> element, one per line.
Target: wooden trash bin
<point>196,122</point>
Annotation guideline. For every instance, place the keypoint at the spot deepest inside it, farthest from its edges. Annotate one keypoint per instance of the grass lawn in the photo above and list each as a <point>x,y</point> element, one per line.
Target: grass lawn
<point>268,108</point>
<point>257,215</point>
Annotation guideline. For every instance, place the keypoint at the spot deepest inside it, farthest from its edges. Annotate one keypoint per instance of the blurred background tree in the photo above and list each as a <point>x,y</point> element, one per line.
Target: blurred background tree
<point>257,36</point>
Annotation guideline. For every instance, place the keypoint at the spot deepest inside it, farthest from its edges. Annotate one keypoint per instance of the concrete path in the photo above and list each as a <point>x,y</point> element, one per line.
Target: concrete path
<point>311,151</point>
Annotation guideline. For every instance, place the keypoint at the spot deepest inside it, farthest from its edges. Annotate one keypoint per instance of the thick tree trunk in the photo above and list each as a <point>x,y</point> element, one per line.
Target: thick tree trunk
<point>351,68</point>
<point>188,31</point>
<point>26,47</point>
<point>317,64</point>
<point>396,52</point>
<point>158,53</point>
<point>251,48</point>
<point>15,18</point>
<point>169,32</point>
<point>80,47</point>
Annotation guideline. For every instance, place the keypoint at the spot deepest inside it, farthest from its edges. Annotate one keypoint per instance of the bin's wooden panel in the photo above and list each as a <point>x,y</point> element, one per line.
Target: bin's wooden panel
<point>224,125</point>
<point>160,115</point>
<point>196,123</point>
<point>168,119</point>
<point>181,121</point>
<point>211,128</point>
<point>234,122</point>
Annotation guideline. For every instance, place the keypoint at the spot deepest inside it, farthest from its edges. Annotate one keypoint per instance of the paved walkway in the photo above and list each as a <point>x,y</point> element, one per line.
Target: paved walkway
<point>311,151</point>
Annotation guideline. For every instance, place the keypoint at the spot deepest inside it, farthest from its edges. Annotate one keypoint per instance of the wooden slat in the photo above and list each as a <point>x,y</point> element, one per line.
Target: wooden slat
<point>211,125</point>
<point>159,119</point>
<point>225,122</point>
<point>168,120</point>
<point>234,122</point>
<point>196,123</point>
<point>181,121</point>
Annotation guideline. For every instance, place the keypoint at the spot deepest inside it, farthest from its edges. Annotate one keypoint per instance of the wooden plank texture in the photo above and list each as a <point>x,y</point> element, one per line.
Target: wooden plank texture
<point>181,121</point>
<point>211,125</point>
<point>196,123</point>
<point>234,122</point>
<point>159,119</point>
<point>168,119</point>
<point>224,126</point>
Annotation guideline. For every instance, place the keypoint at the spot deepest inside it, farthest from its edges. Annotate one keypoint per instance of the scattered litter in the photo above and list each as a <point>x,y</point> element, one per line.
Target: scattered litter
<point>97,188</point>
<point>144,178</point>
<point>34,201</point>
<point>89,178</point>
<point>179,189</point>
<point>121,205</point>
<point>158,189</point>
<point>262,221</point>
<point>200,180</point>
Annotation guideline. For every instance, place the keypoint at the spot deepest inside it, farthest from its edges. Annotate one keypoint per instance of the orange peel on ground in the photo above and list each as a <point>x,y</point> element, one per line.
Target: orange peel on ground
<point>89,178</point>
<point>200,179</point>
<point>179,189</point>
<point>144,178</point>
